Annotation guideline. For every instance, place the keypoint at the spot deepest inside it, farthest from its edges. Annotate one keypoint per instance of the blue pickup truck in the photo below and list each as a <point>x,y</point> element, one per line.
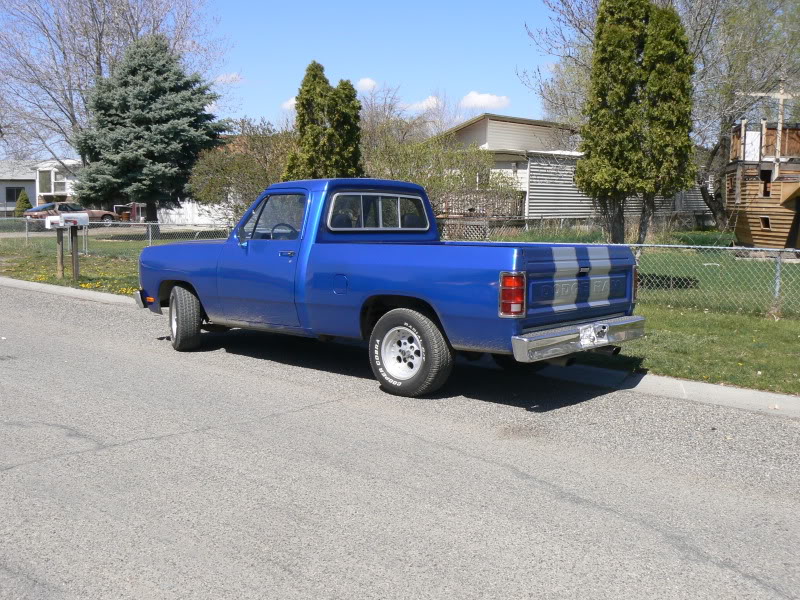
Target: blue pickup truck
<point>362,258</point>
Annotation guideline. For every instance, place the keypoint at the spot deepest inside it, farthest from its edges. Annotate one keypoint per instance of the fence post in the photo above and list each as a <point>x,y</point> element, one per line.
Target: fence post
<point>59,253</point>
<point>26,232</point>
<point>775,310</point>
<point>149,235</point>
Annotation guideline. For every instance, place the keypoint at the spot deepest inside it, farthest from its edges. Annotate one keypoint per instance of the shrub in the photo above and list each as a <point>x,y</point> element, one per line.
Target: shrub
<point>23,204</point>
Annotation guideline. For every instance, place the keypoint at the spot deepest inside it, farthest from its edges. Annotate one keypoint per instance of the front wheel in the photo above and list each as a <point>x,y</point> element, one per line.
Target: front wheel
<point>409,354</point>
<point>107,220</point>
<point>185,319</point>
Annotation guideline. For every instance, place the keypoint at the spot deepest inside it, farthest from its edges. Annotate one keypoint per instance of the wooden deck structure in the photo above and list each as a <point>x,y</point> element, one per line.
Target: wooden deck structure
<point>763,194</point>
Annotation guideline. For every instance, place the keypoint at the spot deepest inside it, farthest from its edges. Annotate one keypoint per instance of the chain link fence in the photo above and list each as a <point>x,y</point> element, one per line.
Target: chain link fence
<point>116,238</point>
<point>716,278</point>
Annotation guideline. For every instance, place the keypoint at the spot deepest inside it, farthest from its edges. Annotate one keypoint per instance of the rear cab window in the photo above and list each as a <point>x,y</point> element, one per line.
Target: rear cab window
<point>377,212</point>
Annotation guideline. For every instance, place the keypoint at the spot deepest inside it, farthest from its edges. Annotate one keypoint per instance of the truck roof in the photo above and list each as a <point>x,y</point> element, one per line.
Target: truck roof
<point>360,182</point>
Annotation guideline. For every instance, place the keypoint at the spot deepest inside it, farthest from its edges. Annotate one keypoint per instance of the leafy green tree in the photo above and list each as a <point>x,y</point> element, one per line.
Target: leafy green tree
<point>668,165</point>
<point>609,170</point>
<point>148,125</point>
<point>328,127</point>
<point>23,204</point>
<point>253,157</point>
<point>457,179</point>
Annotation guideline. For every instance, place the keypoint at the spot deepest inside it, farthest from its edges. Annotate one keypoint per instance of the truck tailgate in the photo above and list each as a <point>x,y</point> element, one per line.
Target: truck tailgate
<point>568,283</point>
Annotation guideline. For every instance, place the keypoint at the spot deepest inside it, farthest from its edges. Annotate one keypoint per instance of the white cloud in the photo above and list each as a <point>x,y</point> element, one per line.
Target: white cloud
<point>229,78</point>
<point>427,104</point>
<point>477,100</point>
<point>366,84</point>
<point>289,104</point>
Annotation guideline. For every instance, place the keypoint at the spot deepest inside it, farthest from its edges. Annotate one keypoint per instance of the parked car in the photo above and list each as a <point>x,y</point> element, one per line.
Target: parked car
<point>362,258</point>
<point>56,208</point>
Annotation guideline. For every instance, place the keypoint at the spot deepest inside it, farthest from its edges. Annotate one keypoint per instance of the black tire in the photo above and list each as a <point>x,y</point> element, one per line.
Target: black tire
<point>107,220</point>
<point>185,319</point>
<point>429,353</point>
<point>507,362</point>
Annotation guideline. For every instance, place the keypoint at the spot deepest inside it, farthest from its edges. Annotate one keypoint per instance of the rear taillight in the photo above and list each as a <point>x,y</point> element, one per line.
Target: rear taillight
<point>512,294</point>
<point>635,274</point>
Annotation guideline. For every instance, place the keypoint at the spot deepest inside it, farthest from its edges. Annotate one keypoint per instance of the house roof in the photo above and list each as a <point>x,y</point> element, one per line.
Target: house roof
<point>18,170</point>
<point>507,119</point>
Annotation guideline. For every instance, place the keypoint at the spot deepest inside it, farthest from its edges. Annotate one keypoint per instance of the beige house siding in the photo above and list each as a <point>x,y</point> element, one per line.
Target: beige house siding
<point>517,136</point>
<point>473,134</point>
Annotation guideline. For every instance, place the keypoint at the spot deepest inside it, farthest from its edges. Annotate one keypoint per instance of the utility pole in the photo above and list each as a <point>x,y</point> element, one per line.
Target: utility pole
<point>781,96</point>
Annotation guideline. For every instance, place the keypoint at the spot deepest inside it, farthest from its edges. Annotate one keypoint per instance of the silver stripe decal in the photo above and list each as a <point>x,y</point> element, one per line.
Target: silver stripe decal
<point>600,262</point>
<point>566,263</point>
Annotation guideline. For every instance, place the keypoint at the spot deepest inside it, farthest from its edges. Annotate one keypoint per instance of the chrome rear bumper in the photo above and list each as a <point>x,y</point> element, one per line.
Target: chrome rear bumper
<point>550,343</point>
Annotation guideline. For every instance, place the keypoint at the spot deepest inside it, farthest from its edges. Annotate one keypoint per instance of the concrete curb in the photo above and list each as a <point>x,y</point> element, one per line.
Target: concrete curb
<point>706,393</point>
<point>59,290</point>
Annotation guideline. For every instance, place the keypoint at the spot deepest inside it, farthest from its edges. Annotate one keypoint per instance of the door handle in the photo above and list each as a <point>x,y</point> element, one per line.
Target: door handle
<point>286,253</point>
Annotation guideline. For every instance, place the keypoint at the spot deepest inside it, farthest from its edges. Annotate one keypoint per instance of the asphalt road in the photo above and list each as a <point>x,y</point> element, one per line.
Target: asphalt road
<point>273,467</point>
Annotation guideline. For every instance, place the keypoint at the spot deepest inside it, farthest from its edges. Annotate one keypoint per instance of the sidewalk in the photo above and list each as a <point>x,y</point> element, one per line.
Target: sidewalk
<point>670,387</point>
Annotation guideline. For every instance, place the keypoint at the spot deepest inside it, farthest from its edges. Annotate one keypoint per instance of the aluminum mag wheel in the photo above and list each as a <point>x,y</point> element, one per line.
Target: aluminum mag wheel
<point>401,353</point>
<point>409,353</point>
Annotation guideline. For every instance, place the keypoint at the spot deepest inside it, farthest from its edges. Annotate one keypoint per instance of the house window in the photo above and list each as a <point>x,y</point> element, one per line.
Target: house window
<point>45,182</point>
<point>12,194</point>
<point>60,183</point>
<point>765,223</point>
<point>766,182</point>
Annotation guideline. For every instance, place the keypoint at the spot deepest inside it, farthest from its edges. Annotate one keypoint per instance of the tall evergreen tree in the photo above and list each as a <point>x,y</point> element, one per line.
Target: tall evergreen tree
<point>345,117</point>
<point>148,124</point>
<point>668,165</point>
<point>609,170</point>
<point>328,126</point>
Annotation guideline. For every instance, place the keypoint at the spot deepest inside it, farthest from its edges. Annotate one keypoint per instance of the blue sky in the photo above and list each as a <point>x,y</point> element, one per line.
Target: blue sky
<point>422,47</point>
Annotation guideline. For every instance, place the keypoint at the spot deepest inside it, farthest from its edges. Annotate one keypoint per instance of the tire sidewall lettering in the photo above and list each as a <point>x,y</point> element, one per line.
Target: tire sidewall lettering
<point>376,350</point>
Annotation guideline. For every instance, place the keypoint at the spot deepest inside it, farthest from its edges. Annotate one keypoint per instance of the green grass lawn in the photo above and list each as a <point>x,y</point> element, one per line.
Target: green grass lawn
<point>742,350</point>
<point>720,282</point>
<point>112,268</point>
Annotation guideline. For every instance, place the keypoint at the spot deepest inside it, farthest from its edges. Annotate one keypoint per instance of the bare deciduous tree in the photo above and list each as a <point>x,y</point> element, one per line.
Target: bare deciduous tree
<point>739,46</point>
<point>53,51</point>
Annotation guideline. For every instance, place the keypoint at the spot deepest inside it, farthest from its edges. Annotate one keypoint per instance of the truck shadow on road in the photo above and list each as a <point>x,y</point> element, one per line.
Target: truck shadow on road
<point>479,380</point>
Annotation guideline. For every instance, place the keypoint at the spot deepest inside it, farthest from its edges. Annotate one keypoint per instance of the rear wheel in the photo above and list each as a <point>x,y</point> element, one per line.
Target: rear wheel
<point>409,354</point>
<point>185,319</point>
<point>107,220</point>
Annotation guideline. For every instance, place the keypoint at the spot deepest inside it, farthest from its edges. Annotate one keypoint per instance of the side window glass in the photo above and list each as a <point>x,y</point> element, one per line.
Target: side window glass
<point>281,218</point>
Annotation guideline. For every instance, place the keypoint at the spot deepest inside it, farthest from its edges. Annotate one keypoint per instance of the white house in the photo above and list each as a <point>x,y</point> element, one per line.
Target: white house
<point>538,155</point>
<point>55,180</point>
